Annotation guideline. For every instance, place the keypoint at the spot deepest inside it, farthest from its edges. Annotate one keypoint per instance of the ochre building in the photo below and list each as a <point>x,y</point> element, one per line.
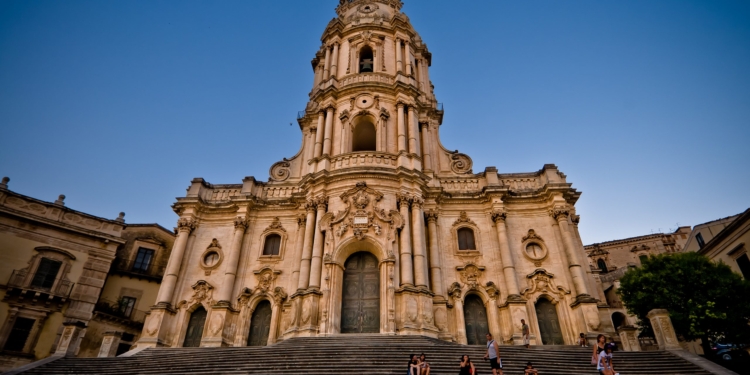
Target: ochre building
<point>374,226</point>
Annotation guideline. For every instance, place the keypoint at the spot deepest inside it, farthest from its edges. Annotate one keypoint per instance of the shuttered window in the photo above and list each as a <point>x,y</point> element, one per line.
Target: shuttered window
<point>46,273</point>
<point>466,239</point>
<point>273,242</point>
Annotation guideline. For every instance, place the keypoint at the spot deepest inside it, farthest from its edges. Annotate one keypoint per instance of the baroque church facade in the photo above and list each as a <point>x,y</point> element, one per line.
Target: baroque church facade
<point>374,226</point>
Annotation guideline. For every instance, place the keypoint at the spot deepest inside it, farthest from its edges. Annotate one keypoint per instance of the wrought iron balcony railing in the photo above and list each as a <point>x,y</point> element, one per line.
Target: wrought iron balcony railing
<point>119,310</point>
<point>152,270</point>
<point>22,280</point>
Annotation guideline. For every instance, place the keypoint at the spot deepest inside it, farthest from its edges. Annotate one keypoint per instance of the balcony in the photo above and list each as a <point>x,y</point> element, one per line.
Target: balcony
<point>152,272</point>
<point>23,289</point>
<point>115,312</point>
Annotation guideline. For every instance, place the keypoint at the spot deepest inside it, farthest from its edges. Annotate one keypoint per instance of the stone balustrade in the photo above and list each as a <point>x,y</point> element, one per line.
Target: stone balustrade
<point>279,191</point>
<point>366,77</point>
<point>528,183</point>
<point>471,184</point>
<point>364,159</point>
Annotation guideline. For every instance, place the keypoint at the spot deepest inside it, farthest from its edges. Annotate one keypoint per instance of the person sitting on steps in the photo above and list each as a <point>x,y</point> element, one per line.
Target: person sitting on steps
<point>424,367</point>
<point>530,370</point>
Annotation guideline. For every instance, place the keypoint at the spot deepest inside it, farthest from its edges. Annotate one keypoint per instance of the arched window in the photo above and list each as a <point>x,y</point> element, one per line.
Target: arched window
<point>618,320</point>
<point>366,60</point>
<point>602,265</point>
<point>466,239</point>
<point>364,136</point>
<point>271,247</point>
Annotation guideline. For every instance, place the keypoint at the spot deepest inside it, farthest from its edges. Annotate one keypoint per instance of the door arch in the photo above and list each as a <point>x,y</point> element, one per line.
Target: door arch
<point>475,318</point>
<point>195,328</point>
<point>260,325</point>
<point>549,323</point>
<point>360,302</point>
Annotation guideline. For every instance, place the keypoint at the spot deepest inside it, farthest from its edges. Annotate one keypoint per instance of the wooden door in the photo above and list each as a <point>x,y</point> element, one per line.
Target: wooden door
<point>475,316</point>
<point>549,324</point>
<point>195,328</point>
<point>260,325</point>
<point>360,305</point>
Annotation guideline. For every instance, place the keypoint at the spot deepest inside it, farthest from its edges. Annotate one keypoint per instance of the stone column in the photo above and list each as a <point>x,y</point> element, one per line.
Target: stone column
<point>391,138</point>
<point>304,273</point>
<point>413,131</point>
<point>436,273</point>
<point>407,273</point>
<point>561,215</point>
<point>184,227</point>
<point>328,131</point>
<point>399,63</point>
<point>663,329</point>
<point>509,269</point>
<point>420,252</point>
<point>299,248</point>
<point>316,264</point>
<point>110,342</point>
<point>326,66</point>
<point>334,62</point>
<point>233,258</point>
<point>458,307</point>
<point>426,146</point>
<point>401,127</point>
<point>275,311</point>
<point>407,52</point>
<point>319,134</point>
<point>309,148</point>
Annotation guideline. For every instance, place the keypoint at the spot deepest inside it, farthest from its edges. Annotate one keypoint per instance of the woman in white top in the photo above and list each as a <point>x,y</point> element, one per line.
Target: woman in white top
<point>604,365</point>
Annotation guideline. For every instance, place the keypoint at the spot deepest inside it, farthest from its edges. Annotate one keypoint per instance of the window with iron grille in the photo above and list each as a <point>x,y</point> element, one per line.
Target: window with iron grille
<point>143,260</point>
<point>19,334</point>
<point>46,273</point>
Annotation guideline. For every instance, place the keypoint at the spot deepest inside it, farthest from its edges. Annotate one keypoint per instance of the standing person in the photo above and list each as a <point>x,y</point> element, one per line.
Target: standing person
<point>424,367</point>
<point>493,353</point>
<point>582,340</point>
<point>598,348</point>
<point>413,366</point>
<point>525,333</point>
<point>467,368</point>
<point>530,370</point>
<point>604,364</point>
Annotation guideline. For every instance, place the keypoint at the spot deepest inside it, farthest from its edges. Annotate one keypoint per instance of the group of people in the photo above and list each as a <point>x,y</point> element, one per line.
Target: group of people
<point>601,357</point>
<point>418,364</point>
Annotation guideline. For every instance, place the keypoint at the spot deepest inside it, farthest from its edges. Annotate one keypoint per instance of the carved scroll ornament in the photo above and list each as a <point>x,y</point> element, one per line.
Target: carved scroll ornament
<point>460,163</point>
<point>280,171</point>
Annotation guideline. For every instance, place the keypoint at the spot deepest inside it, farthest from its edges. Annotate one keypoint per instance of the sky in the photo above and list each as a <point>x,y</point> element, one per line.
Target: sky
<point>644,105</point>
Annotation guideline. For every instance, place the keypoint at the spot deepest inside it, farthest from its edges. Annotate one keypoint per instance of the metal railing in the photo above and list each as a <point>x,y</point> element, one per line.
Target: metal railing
<point>301,114</point>
<point>439,107</point>
<point>22,280</point>
<point>130,266</point>
<point>117,309</point>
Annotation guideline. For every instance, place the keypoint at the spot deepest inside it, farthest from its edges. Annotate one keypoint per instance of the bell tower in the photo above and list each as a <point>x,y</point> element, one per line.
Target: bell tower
<point>371,90</point>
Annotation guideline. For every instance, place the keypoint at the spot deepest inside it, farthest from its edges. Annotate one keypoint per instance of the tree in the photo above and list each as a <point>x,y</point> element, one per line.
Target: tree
<point>705,300</point>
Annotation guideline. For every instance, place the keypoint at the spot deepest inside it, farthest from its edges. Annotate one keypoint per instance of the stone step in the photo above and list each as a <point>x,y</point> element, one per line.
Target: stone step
<point>363,354</point>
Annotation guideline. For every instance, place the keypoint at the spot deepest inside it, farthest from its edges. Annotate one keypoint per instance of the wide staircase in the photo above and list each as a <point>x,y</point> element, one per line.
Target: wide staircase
<point>361,355</point>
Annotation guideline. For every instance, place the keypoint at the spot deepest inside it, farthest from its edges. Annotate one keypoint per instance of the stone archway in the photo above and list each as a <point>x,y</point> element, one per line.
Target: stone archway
<point>549,323</point>
<point>475,319</point>
<point>194,331</point>
<point>360,303</point>
<point>260,325</point>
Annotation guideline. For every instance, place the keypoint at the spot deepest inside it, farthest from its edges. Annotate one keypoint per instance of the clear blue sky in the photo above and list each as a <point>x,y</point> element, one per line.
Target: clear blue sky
<point>645,105</point>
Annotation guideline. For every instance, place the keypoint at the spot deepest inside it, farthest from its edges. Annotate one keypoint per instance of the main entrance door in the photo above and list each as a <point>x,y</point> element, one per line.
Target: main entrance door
<point>360,305</point>
<point>195,328</point>
<point>549,324</point>
<point>475,316</point>
<point>260,325</point>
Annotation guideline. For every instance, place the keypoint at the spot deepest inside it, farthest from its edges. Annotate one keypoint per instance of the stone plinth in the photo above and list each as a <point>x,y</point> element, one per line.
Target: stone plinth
<point>663,329</point>
<point>110,342</point>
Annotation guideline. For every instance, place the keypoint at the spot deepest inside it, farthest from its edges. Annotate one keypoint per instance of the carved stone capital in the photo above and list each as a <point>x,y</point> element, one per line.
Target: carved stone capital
<point>310,205</point>
<point>431,215</point>
<point>186,224</point>
<point>417,202</point>
<point>498,216</point>
<point>576,219</point>
<point>301,220</point>
<point>240,223</point>
<point>403,200</point>
<point>559,214</point>
<point>321,203</point>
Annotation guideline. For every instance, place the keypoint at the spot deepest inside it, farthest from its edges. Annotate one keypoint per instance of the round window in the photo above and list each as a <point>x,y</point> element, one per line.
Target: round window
<point>534,251</point>
<point>211,259</point>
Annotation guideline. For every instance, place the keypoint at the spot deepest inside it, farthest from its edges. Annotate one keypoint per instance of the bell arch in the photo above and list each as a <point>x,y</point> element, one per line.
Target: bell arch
<point>366,63</point>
